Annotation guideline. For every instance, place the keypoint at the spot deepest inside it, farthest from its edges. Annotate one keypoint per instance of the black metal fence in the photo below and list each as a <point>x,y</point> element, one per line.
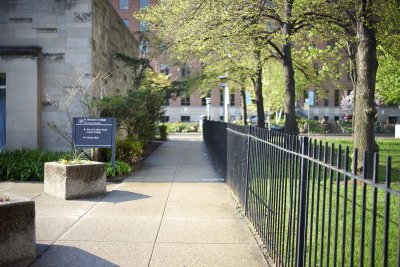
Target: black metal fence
<point>306,204</point>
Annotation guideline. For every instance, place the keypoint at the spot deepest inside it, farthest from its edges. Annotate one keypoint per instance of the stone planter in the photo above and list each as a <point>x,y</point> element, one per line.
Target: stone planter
<point>17,232</point>
<point>74,181</point>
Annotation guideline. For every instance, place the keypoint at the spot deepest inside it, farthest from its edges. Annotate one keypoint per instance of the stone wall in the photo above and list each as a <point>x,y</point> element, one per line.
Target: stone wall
<point>77,40</point>
<point>111,36</point>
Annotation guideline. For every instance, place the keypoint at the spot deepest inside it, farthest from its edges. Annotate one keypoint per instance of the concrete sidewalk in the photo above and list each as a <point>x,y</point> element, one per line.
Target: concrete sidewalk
<point>175,211</point>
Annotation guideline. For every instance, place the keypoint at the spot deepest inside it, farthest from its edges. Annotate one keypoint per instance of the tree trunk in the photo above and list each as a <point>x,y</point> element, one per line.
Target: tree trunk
<point>258,91</point>
<point>244,105</point>
<point>365,110</point>
<point>290,112</point>
<point>288,72</point>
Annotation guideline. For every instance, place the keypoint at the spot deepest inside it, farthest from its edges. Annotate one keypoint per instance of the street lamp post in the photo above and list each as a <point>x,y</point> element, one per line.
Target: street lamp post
<point>208,104</point>
<point>225,88</point>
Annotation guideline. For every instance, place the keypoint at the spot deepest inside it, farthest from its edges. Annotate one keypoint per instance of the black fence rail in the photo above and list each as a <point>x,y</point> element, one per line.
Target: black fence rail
<point>301,195</point>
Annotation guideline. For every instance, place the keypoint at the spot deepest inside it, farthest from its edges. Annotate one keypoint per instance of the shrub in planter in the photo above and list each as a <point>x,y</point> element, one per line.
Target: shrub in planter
<point>17,231</point>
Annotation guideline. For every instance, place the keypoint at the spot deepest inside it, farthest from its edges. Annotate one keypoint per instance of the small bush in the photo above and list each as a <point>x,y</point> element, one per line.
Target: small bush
<point>179,127</point>
<point>120,168</point>
<point>127,150</point>
<point>27,164</point>
<point>163,132</point>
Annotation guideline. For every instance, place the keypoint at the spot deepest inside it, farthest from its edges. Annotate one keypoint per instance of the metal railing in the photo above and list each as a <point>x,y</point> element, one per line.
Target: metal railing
<point>306,204</point>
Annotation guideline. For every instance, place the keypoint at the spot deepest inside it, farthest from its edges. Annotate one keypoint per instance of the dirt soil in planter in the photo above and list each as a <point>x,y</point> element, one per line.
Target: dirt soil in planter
<point>148,150</point>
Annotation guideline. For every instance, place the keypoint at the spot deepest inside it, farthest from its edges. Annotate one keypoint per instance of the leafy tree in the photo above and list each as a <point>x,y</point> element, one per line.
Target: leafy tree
<point>363,23</point>
<point>203,36</point>
<point>253,31</point>
<point>139,110</point>
<point>388,78</point>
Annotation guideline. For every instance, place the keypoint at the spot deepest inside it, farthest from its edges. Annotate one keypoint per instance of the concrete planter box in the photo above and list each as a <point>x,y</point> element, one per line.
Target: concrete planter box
<point>74,181</point>
<point>17,232</point>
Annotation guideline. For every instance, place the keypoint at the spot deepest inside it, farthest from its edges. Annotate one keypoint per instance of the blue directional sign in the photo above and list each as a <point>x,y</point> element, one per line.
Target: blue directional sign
<point>311,98</point>
<point>248,98</point>
<point>94,132</point>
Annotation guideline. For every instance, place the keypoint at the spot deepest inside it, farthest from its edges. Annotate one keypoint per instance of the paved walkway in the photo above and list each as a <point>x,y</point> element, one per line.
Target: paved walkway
<point>174,212</point>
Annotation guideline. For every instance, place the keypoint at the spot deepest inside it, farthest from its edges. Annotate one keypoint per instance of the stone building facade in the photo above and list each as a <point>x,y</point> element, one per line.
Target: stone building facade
<point>44,46</point>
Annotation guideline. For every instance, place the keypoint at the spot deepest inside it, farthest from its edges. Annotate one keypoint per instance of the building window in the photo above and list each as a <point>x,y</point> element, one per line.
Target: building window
<point>143,26</point>
<point>124,4</point>
<point>336,118</point>
<point>2,80</point>
<point>126,22</point>
<point>392,119</point>
<point>185,100</point>
<point>326,118</point>
<point>165,119</point>
<point>326,98</point>
<point>185,70</point>
<point>166,100</point>
<point>185,118</point>
<point>203,100</point>
<point>164,68</point>
<point>231,99</point>
<point>221,118</point>
<point>2,111</point>
<point>144,48</point>
<point>337,98</point>
<point>221,97</point>
<point>316,118</point>
<point>163,48</point>
<point>143,3</point>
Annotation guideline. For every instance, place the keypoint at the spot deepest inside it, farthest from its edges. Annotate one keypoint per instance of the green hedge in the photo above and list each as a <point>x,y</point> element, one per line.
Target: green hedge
<point>120,168</point>
<point>127,150</point>
<point>22,165</point>
<point>179,127</point>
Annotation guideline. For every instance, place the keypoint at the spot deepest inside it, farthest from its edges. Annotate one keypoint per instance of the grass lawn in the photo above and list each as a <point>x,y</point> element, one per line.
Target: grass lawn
<point>329,211</point>
<point>387,147</point>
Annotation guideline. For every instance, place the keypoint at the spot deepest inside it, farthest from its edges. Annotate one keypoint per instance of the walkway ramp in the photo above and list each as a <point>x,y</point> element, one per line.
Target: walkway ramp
<point>176,211</point>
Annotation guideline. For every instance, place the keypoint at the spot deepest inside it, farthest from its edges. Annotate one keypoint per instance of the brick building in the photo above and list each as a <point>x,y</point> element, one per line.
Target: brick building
<point>328,99</point>
<point>190,108</point>
<point>184,108</point>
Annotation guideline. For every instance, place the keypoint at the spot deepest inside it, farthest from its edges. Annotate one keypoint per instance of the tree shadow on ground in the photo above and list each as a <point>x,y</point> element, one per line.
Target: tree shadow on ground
<point>118,196</point>
<point>57,255</point>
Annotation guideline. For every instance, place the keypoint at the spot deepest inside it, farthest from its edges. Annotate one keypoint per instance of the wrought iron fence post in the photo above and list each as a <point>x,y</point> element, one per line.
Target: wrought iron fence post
<point>247,170</point>
<point>301,246</point>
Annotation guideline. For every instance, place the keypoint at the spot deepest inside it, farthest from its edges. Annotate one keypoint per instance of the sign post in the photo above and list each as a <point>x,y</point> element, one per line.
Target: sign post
<point>95,132</point>
<point>310,102</point>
